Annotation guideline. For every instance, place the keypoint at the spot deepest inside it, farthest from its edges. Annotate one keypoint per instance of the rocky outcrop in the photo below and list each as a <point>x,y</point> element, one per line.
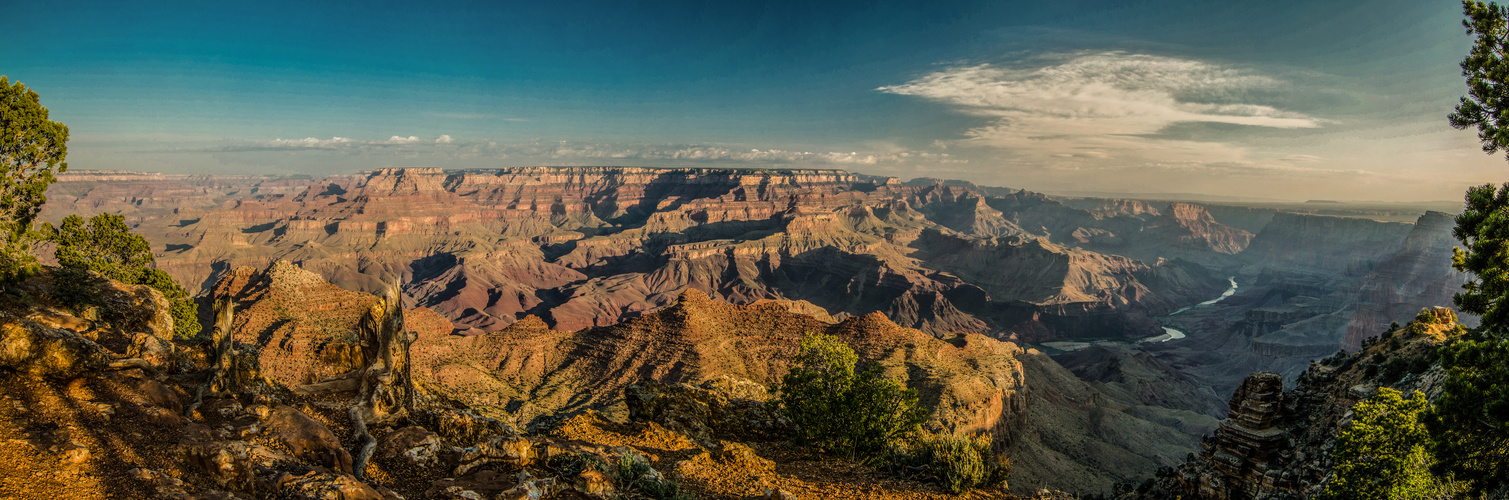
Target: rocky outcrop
<point>1200,230</point>
<point>1244,449</point>
<point>700,368</point>
<point>1277,444</point>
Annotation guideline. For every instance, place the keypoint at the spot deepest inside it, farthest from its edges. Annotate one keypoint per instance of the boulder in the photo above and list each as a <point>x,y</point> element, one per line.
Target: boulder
<point>228,465</point>
<point>412,444</point>
<point>514,450</point>
<point>48,352</point>
<point>593,483</point>
<point>461,426</point>
<point>320,485</point>
<point>156,351</point>
<point>308,438</point>
<point>160,395</point>
<point>138,308</point>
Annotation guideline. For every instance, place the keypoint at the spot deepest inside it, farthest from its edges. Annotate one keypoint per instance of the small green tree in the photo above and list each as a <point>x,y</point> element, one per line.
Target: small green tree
<point>32,149</point>
<point>1384,454</point>
<point>853,415</point>
<point>106,245</point>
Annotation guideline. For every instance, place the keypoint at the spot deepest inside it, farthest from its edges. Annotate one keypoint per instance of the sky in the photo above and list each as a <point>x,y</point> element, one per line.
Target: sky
<point>1281,100</point>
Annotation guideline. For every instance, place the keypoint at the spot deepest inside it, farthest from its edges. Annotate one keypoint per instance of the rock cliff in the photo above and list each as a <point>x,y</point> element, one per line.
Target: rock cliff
<point>1276,444</point>
<point>591,246</point>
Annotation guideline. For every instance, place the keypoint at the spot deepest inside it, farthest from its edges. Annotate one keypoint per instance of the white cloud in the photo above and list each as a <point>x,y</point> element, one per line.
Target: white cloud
<point>701,154</point>
<point>309,143</point>
<point>590,153</point>
<point>1103,108</point>
<point>333,143</point>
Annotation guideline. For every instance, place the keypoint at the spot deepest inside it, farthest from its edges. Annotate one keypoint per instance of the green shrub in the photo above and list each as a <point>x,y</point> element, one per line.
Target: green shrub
<point>573,464</point>
<point>77,289</point>
<point>1394,370</point>
<point>633,473</point>
<point>106,245</point>
<point>1384,452</point>
<point>852,415</point>
<point>1419,365</point>
<point>957,462</point>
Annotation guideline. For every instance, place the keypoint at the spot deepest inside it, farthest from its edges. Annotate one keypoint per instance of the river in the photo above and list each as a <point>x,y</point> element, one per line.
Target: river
<point>1171,334</point>
<point>1168,333</point>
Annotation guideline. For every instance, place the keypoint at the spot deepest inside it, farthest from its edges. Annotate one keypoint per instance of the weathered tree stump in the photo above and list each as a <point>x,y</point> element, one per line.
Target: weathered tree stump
<point>223,379</point>
<point>384,385</point>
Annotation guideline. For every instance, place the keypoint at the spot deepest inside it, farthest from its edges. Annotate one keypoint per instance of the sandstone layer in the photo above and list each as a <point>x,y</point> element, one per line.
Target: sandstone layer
<point>591,246</point>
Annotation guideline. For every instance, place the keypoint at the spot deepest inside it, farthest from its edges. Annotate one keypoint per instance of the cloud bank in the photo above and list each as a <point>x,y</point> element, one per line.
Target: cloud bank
<point>579,153</point>
<point>1099,109</point>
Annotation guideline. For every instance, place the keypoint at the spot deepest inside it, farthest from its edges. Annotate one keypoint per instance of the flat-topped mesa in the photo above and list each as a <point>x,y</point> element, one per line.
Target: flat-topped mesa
<point>393,181</point>
<point>609,177</point>
<point>1351,246</point>
<point>111,175</point>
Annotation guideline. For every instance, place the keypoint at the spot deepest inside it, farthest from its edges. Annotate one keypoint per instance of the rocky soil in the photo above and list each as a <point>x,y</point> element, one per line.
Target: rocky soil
<point>82,420</point>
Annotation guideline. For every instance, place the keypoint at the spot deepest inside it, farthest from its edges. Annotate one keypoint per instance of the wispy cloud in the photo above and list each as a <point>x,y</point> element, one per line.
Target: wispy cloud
<point>1104,108</point>
<point>476,116</point>
<point>720,154</point>
<point>582,153</point>
<point>314,143</point>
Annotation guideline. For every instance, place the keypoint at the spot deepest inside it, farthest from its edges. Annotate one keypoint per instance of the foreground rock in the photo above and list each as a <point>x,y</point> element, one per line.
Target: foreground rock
<point>89,429</point>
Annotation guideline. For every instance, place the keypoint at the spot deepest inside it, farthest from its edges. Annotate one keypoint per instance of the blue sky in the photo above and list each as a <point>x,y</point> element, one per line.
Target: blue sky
<point>1284,100</point>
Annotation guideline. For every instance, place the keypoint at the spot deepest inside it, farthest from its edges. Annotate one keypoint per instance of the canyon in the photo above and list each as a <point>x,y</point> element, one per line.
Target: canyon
<point>544,292</point>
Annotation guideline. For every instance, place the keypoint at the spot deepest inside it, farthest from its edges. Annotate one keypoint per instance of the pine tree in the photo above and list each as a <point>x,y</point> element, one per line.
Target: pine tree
<point>32,150</point>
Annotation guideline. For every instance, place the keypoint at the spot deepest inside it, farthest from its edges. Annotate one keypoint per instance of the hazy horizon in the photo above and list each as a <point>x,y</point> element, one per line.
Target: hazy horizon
<point>1279,101</point>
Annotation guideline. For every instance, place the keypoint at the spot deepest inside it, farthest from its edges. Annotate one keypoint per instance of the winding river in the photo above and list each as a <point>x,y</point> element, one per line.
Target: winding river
<point>1171,334</point>
<point>1168,333</point>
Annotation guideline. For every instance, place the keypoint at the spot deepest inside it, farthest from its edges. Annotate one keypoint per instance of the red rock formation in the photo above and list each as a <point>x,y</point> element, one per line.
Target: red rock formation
<point>1203,230</point>
<point>591,246</point>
